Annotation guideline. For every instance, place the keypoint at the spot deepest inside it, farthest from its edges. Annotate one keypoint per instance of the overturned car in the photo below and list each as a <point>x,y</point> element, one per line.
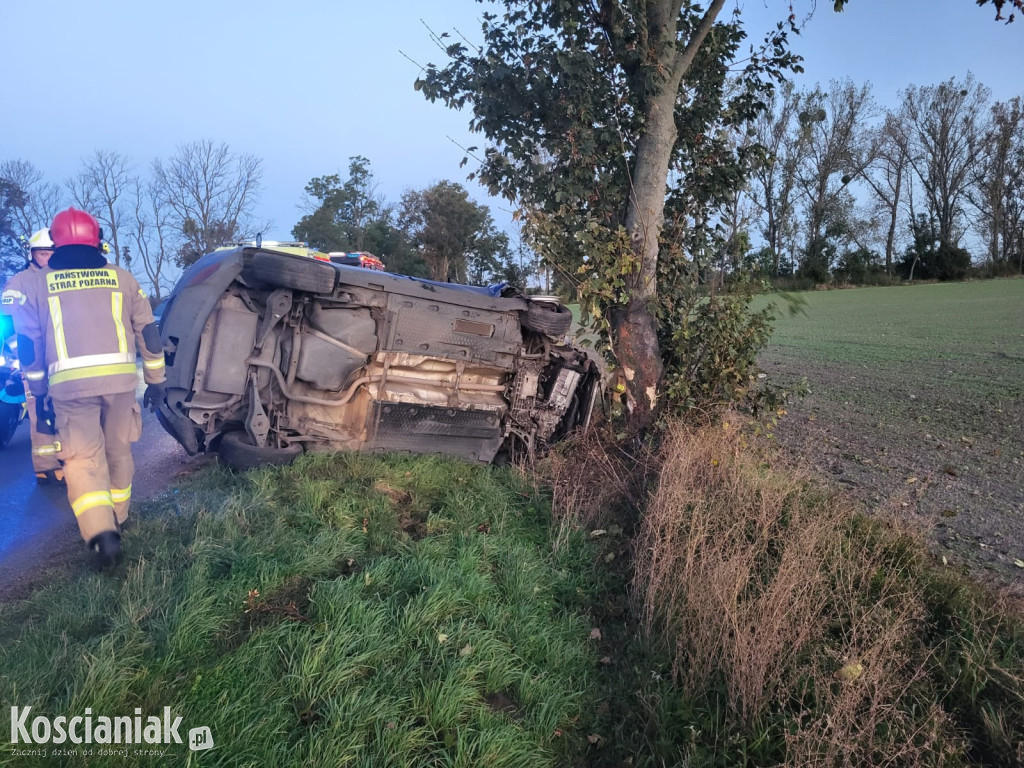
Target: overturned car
<point>270,353</point>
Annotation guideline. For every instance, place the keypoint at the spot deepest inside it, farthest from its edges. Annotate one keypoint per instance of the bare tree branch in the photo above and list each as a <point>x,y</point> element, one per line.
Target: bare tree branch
<point>42,199</point>
<point>100,188</point>
<point>211,193</point>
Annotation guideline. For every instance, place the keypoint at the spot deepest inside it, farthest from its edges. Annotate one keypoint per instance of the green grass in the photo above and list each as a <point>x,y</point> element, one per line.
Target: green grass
<point>348,610</point>
<point>917,379</point>
<point>969,335</point>
<point>916,401</point>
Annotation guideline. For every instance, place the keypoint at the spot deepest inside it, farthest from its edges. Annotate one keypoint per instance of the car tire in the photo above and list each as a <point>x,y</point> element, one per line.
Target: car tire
<point>295,272</point>
<point>548,318</point>
<point>237,451</point>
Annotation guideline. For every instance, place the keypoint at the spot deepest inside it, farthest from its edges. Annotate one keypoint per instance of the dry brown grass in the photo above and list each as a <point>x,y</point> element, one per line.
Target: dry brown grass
<point>869,675</point>
<point>775,594</point>
<point>728,566</point>
<point>595,482</point>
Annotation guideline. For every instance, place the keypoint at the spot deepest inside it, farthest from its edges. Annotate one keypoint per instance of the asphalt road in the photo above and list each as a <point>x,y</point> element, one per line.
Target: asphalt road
<point>37,527</point>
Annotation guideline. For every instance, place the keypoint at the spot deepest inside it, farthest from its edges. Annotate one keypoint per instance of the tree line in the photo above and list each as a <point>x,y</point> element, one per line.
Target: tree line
<point>200,198</point>
<point>436,232</point>
<point>845,190</point>
<point>204,197</point>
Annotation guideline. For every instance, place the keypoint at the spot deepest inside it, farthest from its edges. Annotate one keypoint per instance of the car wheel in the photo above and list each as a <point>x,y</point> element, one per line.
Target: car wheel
<point>293,272</point>
<point>239,452</point>
<point>548,318</point>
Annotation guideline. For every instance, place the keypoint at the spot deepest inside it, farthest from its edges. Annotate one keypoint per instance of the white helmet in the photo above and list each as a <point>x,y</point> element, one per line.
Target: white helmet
<point>40,239</point>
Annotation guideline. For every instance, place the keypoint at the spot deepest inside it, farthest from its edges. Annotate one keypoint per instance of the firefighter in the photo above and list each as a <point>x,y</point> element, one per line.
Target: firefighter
<point>84,320</point>
<point>44,447</point>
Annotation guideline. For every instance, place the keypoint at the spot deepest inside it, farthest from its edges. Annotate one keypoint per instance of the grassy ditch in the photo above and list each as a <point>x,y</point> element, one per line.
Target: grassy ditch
<point>347,610</point>
<point>798,632</point>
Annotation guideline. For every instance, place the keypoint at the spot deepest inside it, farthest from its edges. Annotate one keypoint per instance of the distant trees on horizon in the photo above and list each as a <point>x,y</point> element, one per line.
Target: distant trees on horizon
<point>202,197</point>
<point>849,191</point>
<point>841,189</point>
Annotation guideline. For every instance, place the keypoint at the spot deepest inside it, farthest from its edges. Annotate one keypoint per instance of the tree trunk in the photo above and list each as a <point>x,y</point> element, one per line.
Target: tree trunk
<point>771,227</point>
<point>890,241</point>
<point>891,237</point>
<point>634,327</point>
<point>439,266</point>
<point>996,253</point>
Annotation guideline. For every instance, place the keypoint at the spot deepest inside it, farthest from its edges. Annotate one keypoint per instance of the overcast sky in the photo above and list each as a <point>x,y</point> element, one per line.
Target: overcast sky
<point>305,84</point>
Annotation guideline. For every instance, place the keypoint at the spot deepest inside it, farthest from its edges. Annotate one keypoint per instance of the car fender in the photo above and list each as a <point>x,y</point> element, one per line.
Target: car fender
<point>192,301</point>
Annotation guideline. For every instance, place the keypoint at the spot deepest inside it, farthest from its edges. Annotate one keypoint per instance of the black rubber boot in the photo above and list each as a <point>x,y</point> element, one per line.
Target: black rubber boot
<point>106,548</point>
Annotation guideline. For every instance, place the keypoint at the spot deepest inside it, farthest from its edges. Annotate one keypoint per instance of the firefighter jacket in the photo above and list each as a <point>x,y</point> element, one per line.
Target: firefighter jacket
<point>12,301</point>
<point>84,324</point>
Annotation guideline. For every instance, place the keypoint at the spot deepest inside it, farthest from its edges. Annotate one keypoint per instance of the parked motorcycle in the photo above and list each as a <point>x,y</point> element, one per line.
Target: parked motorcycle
<point>13,410</point>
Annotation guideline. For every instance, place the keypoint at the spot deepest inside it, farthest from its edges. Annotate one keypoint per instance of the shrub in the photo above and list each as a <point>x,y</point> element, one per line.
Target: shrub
<point>951,262</point>
<point>1000,268</point>
<point>596,482</point>
<point>928,258</point>
<point>857,266</point>
<point>710,355</point>
<point>879,277</point>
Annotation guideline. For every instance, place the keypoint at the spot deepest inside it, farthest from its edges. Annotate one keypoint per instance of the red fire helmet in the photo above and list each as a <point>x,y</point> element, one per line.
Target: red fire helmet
<point>75,227</point>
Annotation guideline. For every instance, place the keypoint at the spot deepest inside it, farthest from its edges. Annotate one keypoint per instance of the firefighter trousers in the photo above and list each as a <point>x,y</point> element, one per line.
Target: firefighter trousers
<point>96,434</point>
<point>44,447</point>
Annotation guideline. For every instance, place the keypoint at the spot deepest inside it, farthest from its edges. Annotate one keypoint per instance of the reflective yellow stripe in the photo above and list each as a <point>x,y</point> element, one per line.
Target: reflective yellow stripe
<point>120,494</point>
<point>116,302</point>
<point>58,328</point>
<point>34,375</point>
<point>154,364</point>
<point>88,501</point>
<point>46,450</point>
<point>93,372</point>
<point>86,361</point>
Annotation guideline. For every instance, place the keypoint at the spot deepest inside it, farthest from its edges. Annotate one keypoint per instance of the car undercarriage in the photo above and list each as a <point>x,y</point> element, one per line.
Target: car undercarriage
<point>272,354</point>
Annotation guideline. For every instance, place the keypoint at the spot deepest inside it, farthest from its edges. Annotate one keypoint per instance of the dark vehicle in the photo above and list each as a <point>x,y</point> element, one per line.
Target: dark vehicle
<point>271,353</point>
<point>12,395</point>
